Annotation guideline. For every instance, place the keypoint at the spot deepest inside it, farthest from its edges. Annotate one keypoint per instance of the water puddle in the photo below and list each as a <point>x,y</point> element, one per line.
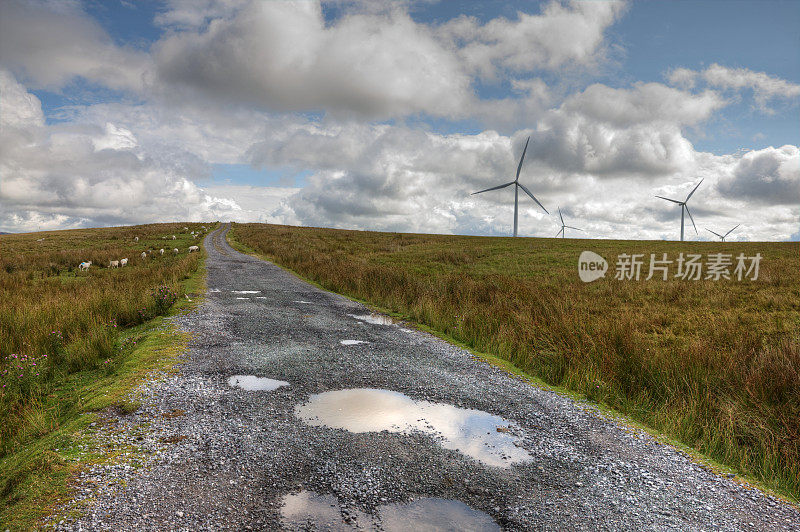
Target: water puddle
<point>375,319</point>
<point>483,436</point>
<point>246,291</point>
<point>410,331</point>
<point>303,302</point>
<point>214,290</point>
<point>261,297</point>
<point>242,298</point>
<point>352,342</point>
<point>255,384</point>
<point>308,510</point>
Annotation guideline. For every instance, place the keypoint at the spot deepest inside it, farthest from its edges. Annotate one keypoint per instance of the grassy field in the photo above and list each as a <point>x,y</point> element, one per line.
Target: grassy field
<point>73,342</point>
<point>712,364</point>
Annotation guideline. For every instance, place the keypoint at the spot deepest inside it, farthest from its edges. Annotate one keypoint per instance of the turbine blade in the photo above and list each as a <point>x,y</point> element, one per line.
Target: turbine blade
<point>690,217</point>
<point>672,200</point>
<point>559,215</point>
<point>719,235</point>
<point>692,192</point>
<point>493,188</point>
<point>528,192</point>
<point>560,231</point>
<point>732,230</point>
<point>522,159</point>
<point>570,227</point>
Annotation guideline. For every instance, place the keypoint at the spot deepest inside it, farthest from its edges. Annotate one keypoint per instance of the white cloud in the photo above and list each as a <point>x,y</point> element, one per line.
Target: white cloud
<point>768,177</point>
<point>50,43</point>
<point>765,88</point>
<point>562,35</point>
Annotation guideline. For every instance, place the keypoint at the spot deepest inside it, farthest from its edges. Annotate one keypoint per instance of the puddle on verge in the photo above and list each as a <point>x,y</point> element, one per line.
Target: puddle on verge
<point>352,342</point>
<point>309,510</point>
<point>255,384</point>
<point>375,319</point>
<point>478,434</point>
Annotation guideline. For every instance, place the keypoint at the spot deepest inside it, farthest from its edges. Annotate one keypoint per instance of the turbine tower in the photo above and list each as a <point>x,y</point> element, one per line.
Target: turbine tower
<point>564,226</point>
<point>517,186</point>
<point>722,237</point>
<point>684,207</point>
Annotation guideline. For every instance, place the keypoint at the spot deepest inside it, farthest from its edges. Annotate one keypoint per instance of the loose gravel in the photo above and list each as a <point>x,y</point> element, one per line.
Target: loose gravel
<point>202,454</point>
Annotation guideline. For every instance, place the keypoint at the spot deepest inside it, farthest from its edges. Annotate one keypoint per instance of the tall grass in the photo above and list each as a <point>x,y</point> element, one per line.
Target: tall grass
<point>714,364</point>
<point>56,320</point>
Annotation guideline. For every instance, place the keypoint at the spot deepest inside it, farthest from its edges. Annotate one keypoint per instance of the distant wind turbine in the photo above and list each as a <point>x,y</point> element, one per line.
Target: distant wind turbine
<point>684,207</point>
<point>564,226</point>
<point>517,186</point>
<point>722,237</point>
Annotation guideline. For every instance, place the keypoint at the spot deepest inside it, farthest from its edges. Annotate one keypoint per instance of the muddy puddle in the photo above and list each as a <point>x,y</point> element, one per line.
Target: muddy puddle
<point>375,319</point>
<point>352,342</point>
<point>480,435</point>
<point>255,384</point>
<point>308,510</point>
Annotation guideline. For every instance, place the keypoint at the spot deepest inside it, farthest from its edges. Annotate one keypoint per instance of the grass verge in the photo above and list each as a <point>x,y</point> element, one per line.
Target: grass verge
<point>36,475</point>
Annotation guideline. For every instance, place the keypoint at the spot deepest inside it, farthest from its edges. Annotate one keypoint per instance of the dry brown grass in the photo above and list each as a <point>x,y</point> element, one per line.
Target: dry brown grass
<point>715,365</point>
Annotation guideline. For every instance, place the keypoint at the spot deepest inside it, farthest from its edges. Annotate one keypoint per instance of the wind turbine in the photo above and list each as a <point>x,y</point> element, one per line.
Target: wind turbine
<point>564,226</point>
<point>517,186</point>
<point>684,207</point>
<point>722,237</point>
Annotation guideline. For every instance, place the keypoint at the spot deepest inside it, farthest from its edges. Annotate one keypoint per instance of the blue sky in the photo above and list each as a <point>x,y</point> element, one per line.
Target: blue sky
<point>642,96</point>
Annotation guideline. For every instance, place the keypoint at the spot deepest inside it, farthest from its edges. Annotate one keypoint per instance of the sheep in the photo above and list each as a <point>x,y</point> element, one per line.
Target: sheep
<point>113,264</point>
<point>161,251</point>
<point>40,239</point>
<point>175,251</point>
<point>123,262</point>
<point>84,266</point>
<point>136,239</point>
<point>193,248</point>
<point>185,228</point>
<point>144,255</point>
<point>173,237</point>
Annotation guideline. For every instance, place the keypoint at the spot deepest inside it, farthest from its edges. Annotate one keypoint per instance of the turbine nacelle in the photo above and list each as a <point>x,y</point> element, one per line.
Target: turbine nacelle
<point>685,207</point>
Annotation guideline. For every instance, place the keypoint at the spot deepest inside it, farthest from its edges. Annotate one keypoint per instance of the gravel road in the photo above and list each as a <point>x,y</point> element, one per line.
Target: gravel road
<point>404,449</point>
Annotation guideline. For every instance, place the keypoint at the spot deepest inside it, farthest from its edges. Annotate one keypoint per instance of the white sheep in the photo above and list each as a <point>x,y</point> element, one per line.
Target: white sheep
<point>123,262</point>
<point>136,239</point>
<point>185,228</point>
<point>175,251</point>
<point>144,255</point>
<point>193,248</point>
<point>161,251</point>
<point>40,239</point>
<point>113,264</point>
<point>173,237</point>
<point>84,266</point>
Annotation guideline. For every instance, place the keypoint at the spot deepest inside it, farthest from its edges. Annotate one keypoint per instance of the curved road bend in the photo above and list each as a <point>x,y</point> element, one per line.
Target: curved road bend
<point>225,456</point>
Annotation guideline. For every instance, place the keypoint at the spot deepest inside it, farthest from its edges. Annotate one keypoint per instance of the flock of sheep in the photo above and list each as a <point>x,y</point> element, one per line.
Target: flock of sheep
<point>84,266</point>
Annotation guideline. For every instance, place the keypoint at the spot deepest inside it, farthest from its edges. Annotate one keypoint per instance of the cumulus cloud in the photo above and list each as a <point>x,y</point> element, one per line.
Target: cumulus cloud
<point>90,174</point>
<point>283,56</point>
<point>765,88</point>
<point>769,177</point>
<point>562,35</point>
<point>50,43</point>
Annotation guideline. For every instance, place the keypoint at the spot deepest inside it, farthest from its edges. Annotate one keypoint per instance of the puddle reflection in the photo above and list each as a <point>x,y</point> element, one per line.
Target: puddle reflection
<point>375,319</point>
<point>352,342</point>
<point>483,436</point>
<point>255,384</point>
<point>308,510</point>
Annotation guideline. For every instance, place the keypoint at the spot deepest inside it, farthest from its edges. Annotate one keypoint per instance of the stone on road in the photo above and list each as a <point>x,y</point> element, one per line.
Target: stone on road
<point>298,408</point>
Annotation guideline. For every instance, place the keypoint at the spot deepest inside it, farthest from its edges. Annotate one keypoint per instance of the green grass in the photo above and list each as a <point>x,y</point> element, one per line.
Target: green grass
<point>714,365</point>
<point>46,433</point>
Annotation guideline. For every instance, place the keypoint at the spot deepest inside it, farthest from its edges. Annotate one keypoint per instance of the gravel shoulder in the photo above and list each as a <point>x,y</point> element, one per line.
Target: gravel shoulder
<point>216,456</point>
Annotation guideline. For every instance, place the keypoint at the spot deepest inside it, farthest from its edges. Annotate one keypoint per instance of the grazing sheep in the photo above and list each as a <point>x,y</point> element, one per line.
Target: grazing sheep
<point>193,248</point>
<point>161,251</point>
<point>144,255</point>
<point>84,266</point>
<point>113,264</point>
<point>123,262</point>
<point>136,239</point>
<point>173,237</point>
<point>175,251</point>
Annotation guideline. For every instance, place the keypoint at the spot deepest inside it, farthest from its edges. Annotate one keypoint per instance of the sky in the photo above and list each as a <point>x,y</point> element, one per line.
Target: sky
<point>380,115</point>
